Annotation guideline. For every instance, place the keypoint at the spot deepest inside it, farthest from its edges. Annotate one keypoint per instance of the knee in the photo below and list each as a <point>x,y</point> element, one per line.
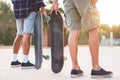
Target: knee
<point>93,31</point>
<point>27,35</point>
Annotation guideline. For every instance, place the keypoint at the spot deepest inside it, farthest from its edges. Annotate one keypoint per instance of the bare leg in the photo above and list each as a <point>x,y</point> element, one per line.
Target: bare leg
<point>73,47</point>
<point>94,47</point>
<point>17,43</point>
<point>26,43</point>
<point>26,47</point>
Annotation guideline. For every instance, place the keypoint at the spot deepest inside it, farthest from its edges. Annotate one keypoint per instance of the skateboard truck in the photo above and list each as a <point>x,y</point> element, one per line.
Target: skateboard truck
<point>46,57</point>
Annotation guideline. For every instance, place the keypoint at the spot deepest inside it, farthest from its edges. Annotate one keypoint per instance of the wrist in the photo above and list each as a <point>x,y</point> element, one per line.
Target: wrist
<point>93,2</point>
<point>55,2</point>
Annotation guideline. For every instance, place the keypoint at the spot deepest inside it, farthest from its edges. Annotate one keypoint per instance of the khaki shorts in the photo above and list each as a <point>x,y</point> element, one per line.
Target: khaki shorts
<point>73,17</point>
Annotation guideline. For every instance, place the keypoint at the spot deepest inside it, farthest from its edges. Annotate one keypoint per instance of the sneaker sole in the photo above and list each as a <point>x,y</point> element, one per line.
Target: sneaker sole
<point>30,67</point>
<point>15,66</point>
<point>75,76</point>
<point>101,76</point>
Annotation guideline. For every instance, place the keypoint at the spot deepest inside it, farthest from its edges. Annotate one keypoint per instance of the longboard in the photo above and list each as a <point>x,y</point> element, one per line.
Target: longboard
<point>57,57</point>
<point>38,40</point>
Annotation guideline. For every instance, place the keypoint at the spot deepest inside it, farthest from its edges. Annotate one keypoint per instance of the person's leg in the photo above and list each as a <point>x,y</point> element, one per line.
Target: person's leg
<point>26,46</point>
<point>73,48</point>
<point>27,34</point>
<point>73,20</point>
<point>92,22</point>
<point>18,39</point>
<point>96,71</point>
<point>16,46</point>
<point>17,43</point>
<point>94,47</point>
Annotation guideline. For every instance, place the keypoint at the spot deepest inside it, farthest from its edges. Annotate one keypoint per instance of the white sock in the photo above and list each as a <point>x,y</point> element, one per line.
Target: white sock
<point>97,69</point>
<point>25,58</point>
<point>14,57</point>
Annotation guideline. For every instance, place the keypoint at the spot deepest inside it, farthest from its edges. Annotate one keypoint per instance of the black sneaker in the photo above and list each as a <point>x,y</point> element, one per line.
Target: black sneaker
<point>76,73</point>
<point>101,74</point>
<point>15,64</point>
<point>27,65</point>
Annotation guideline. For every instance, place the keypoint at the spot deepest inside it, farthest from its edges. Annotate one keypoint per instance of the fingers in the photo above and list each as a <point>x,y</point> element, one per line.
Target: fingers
<point>94,2</point>
<point>54,8</point>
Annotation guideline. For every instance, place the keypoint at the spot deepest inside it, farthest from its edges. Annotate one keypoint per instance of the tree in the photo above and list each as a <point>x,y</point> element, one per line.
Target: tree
<point>7,24</point>
<point>104,29</point>
<point>48,11</point>
<point>116,31</point>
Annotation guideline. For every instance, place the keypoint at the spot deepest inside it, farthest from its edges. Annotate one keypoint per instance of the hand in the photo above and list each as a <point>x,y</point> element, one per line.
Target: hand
<point>55,6</point>
<point>94,2</point>
<point>43,10</point>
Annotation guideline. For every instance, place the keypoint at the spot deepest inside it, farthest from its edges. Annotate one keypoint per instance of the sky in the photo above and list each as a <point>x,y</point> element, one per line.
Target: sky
<point>109,11</point>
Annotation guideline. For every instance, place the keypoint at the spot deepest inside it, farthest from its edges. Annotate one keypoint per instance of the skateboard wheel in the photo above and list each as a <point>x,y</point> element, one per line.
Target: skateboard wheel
<point>47,18</point>
<point>46,57</point>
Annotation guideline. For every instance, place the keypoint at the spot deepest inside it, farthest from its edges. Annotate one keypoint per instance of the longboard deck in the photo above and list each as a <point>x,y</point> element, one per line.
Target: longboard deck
<point>38,40</point>
<point>57,57</point>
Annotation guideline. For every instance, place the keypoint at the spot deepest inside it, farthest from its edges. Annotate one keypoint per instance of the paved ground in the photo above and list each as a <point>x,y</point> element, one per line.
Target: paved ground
<point>109,59</point>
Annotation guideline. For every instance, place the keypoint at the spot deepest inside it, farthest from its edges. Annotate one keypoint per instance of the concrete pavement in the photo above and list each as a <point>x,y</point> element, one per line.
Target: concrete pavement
<point>109,59</point>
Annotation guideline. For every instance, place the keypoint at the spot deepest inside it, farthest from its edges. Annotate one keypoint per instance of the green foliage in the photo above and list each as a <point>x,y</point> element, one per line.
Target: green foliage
<point>49,2</point>
<point>104,29</point>
<point>116,31</point>
<point>8,29</point>
<point>48,11</point>
<point>7,24</point>
<point>9,36</point>
<point>46,23</point>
